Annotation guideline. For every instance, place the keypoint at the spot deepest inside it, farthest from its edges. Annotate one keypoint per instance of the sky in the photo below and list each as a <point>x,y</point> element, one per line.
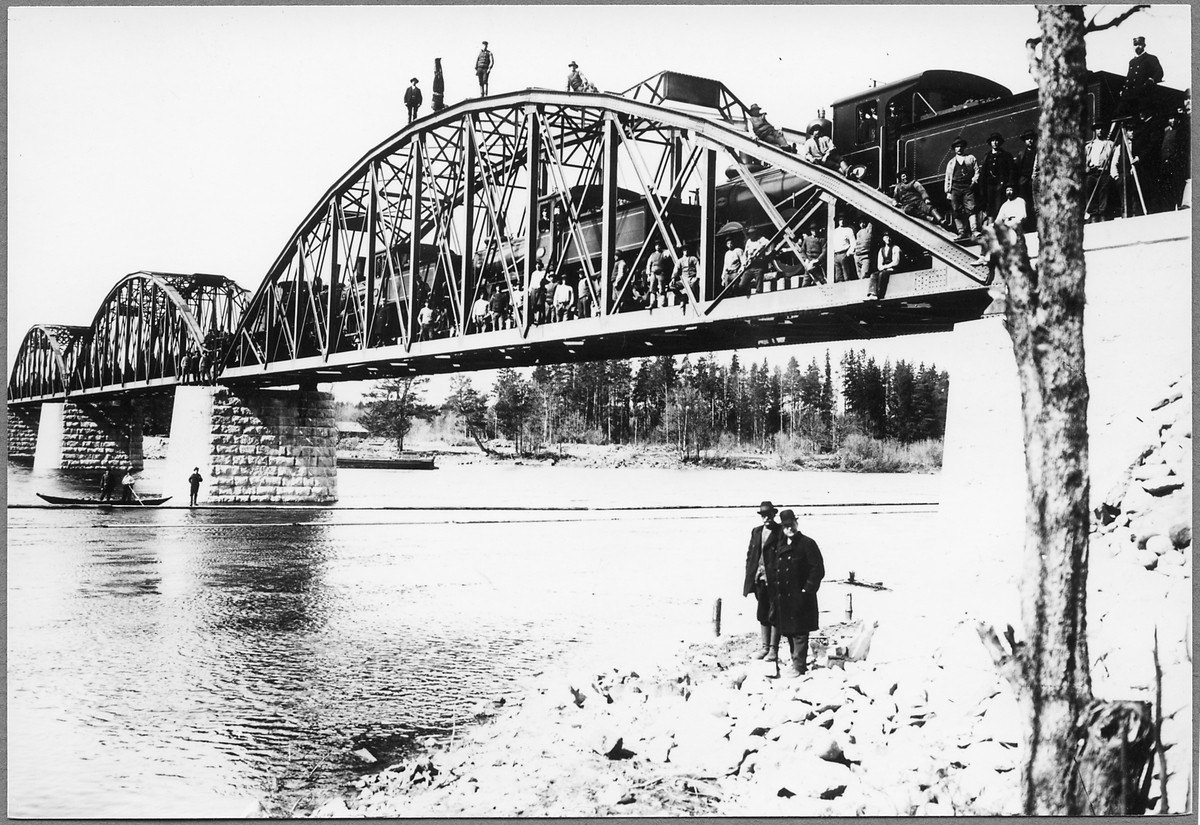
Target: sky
<point>196,138</point>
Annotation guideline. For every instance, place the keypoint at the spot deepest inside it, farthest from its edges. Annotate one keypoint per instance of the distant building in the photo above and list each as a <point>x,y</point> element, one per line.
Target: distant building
<point>352,429</point>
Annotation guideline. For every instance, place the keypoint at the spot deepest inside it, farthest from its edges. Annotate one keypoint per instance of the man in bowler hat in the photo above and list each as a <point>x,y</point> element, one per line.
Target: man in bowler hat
<point>763,542</point>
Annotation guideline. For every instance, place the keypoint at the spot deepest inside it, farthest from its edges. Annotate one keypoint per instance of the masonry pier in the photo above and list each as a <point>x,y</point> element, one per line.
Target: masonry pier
<point>88,435</point>
<point>273,446</point>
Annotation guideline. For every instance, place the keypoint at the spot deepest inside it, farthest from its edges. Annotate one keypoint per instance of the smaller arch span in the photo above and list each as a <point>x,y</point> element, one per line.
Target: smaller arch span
<point>152,329</point>
<point>44,362</point>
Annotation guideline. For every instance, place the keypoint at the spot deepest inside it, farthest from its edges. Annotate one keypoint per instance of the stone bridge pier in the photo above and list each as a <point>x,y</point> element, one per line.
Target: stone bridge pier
<point>275,446</point>
<point>22,431</point>
<point>85,436</point>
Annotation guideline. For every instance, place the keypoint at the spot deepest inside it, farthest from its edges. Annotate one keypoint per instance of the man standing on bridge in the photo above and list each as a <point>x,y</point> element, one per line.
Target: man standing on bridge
<point>962,174</point>
<point>412,100</point>
<point>1144,75</point>
<point>483,68</point>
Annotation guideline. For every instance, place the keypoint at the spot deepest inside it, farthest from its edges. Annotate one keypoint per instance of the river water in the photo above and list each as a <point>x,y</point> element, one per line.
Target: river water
<point>170,662</point>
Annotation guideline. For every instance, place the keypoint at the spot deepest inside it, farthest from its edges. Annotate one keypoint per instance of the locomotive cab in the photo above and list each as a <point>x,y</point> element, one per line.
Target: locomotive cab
<point>867,125</point>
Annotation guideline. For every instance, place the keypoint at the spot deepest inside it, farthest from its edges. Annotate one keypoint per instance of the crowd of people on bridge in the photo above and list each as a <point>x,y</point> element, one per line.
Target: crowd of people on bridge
<point>1137,163</point>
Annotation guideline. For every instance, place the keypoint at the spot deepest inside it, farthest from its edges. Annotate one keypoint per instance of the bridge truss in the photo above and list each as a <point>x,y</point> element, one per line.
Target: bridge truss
<point>471,199</point>
<point>139,339</point>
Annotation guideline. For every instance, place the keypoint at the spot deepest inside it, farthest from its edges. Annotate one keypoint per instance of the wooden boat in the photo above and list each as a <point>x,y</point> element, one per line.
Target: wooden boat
<point>147,501</point>
<point>387,463</point>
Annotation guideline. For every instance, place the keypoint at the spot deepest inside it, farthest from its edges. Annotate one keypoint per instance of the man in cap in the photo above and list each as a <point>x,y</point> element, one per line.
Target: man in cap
<point>1145,73</point>
<point>997,171</point>
<point>764,540</point>
<point>764,131</point>
<point>962,173</point>
<point>911,198</point>
<point>1099,170</point>
<point>757,258</point>
<point>1026,166</point>
<point>412,100</point>
<point>795,569</point>
<point>483,68</point>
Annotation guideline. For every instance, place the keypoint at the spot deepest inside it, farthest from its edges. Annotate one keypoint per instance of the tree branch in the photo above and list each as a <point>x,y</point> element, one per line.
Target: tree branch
<point>1093,26</point>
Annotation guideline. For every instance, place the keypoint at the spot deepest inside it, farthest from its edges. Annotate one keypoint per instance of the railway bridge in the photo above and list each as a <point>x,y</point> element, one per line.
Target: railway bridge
<point>468,208</point>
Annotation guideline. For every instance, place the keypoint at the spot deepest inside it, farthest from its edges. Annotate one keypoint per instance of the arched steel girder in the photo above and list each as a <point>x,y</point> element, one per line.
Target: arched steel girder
<point>44,362</point>
<point>142,332</point>
<point>438,210</point>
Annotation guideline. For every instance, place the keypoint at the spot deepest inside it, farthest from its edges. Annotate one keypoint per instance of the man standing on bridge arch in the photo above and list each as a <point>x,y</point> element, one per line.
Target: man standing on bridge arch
<point>483,68</point>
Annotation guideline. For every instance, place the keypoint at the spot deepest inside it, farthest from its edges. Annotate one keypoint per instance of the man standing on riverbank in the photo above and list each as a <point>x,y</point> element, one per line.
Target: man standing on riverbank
<point>795,570</point>
<point>764,540</point>
<point>194,481</point>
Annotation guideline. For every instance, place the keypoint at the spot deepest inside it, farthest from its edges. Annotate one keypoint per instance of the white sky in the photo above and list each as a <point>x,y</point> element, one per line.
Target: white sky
<point>195,139</point>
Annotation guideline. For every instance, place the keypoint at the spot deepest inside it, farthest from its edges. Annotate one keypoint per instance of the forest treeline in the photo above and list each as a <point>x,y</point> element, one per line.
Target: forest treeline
<point>697,406</point>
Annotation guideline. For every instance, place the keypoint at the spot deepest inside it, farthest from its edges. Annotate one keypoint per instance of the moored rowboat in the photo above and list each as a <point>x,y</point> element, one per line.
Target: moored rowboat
<point>95,502</point>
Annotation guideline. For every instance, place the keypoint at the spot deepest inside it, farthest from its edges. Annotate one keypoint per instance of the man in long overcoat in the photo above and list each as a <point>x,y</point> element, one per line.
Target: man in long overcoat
<point>764,539</point>
<point>795,570</point>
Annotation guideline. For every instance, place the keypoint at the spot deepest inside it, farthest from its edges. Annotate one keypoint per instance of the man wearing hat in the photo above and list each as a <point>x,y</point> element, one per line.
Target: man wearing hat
<point>764,540</point>
<point>1026,166</point>
<point>1145,73</point>
<point>962,173</point>
<point>764,131</point>
<point>998,170</point>
<point>1100,169</point>
<point>575,79</point>
<point>412,100</point>
<point>483,68</point>
<point>794,572</point>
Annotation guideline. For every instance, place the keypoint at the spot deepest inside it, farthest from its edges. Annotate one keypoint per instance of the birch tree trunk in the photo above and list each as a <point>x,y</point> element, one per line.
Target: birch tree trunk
<point>1079,756</point>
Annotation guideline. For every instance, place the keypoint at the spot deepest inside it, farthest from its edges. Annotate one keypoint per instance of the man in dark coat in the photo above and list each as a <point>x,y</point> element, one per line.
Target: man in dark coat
<point>1176,157</point>
<point>764,540</point>
<point>412,100</point>
<point>1026,160</point>
<point>1143,77</point>
<point>997,171</point>
<point>795,570</point>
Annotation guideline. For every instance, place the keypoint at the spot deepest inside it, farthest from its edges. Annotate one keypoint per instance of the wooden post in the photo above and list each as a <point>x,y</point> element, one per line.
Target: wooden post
<point>716,617</point>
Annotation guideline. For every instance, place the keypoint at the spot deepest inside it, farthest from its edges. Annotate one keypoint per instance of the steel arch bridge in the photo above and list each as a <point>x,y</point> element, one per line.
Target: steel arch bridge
<point>139,340</point>
<point>451,208</point>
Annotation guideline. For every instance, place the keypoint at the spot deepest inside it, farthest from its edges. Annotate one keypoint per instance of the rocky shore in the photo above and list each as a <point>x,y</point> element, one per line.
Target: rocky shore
<point>712,731</point>
<point>912,723</point>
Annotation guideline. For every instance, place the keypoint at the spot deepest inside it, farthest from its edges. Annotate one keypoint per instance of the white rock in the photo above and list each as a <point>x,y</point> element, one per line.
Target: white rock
<point>711,698</point>
<point>989,754</point>
<point>806,775</point>
<point>1001,719</point>
<point>1159,544</point>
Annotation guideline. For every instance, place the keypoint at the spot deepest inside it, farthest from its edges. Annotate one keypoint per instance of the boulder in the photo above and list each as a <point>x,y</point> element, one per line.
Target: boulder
<point>1162,483</point>
<point>1147,559</point>
<point>989,754</point>
<point>712,698</point>
<point>805,775</point>
<point>1159,544</point>
<point>1181,534</point>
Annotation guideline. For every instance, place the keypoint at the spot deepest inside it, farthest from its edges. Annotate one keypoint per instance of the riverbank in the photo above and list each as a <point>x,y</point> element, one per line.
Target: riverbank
<point>860,455</point>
